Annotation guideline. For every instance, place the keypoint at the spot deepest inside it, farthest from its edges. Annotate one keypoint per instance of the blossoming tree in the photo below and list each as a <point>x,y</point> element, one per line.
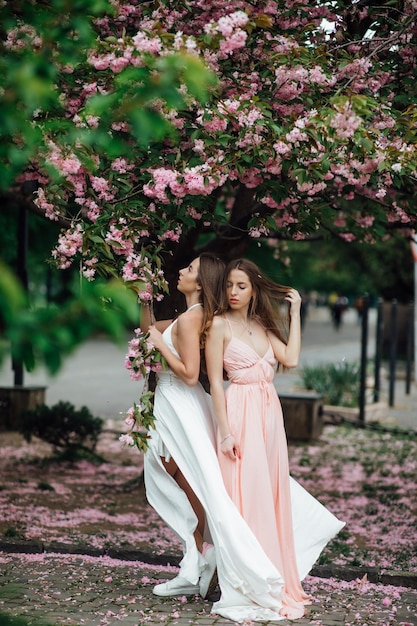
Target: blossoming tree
<point>38,40</point>
<point>310,131</point>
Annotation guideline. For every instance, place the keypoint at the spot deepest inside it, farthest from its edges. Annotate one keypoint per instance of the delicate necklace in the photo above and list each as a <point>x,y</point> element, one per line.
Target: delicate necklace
<point>245,326</point>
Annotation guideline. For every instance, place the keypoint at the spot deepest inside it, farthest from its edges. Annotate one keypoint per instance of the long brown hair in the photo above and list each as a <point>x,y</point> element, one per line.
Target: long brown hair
<point>210,277</point>
<point>266,294</point>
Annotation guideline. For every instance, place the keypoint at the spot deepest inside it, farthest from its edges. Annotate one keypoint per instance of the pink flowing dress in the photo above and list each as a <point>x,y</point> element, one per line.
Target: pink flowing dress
<point>259,481</point>
<point>252,586</point>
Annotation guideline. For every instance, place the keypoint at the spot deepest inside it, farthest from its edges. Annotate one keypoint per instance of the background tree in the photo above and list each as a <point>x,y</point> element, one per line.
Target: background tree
<point>310,133</point>
<point>40,44</point>
<point>384,269</point>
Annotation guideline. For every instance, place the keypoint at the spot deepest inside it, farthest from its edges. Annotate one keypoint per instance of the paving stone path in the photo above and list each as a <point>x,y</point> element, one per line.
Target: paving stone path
<point>52,589</point>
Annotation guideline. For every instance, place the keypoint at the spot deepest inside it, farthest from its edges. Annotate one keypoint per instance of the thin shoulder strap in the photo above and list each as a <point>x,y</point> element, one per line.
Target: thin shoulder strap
<point>230,326</point>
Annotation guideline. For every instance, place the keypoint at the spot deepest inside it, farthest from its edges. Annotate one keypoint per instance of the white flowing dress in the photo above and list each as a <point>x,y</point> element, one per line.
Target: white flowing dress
<point>251,586</point>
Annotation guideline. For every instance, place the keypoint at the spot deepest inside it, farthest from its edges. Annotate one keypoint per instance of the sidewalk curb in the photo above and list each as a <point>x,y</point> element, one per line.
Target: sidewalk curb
<point>348,573</point>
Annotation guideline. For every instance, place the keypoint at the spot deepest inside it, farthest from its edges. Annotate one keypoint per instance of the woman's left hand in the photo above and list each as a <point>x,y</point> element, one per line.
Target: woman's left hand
<point>230,448</point>
<point>294,298</point>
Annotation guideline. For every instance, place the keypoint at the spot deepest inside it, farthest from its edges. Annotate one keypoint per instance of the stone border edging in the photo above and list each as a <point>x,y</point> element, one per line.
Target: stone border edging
<point>128,553</point>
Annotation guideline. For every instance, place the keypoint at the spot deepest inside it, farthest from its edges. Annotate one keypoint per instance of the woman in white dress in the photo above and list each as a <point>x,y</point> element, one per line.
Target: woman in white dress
<point>178,389</point>
<point>185,486</point>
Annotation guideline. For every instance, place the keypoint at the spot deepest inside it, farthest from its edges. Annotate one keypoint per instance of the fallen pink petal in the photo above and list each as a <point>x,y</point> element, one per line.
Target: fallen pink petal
<point>366,478</point>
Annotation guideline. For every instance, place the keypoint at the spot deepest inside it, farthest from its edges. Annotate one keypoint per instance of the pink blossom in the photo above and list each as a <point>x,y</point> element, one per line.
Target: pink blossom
<point>281,148</point>
<point>248,118</point>
<point>295,136</point>
<point>120,239</point>
<point>121,126</point>
<point>192,211</point>
<point>347,236</point>
<point>99,184</point>
<point>143,43</point>
<point>51,212</point>
<point>316,75</point>
<point>93,210</point>
<point>345,121</point>
<point>126,440</point>
<point>117,64</point>
<point>171,235</point>
<point>69,243</point>
<point>215,124</point>
<point>130,421</point>
<point>234,42</point>
<point>69,165</point>
<point>226,25</point>
<point>121,165</point>
<point>99,62</point>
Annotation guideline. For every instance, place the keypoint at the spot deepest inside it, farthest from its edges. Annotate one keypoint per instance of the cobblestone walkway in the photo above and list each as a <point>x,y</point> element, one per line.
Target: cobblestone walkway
<point>77,590</point>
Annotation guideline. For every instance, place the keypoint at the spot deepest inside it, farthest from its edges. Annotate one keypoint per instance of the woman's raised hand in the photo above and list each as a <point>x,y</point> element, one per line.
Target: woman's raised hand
<point>294,298</point>
<point>155,337</point>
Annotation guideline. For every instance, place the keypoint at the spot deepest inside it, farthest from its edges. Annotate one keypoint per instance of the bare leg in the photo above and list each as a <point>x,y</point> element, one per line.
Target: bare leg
<point>174,471</point>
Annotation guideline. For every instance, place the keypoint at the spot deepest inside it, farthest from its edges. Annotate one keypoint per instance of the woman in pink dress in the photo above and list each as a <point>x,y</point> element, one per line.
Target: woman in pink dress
<point>246,341</point>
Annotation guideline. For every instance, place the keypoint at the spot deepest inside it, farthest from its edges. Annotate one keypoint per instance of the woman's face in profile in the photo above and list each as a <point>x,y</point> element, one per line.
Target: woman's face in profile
<point>187,280</point>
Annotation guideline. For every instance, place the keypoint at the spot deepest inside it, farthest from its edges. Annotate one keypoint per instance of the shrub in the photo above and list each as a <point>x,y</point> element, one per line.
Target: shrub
<point>339,383</point>
<point>10,620</point>
<point>69,430</point>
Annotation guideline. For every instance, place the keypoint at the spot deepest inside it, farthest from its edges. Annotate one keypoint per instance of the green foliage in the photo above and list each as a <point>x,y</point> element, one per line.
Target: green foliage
<point>338,383</point>
<point>44,280</point>
<point>46,335</point>
<point>29,71</point>
<point>63,426</point>
<point>144,421</point>
<point>12,296</point>
<point>12,533</point>
<point>384,269</point>
<point>9,620</point>
<point>44,486</point>
<point>51,40</point>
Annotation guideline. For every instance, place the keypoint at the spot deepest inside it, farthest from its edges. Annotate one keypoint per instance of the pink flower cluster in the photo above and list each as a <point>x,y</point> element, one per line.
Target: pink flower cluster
<point>69,244</point>
<point>119,237</point>
<point>230,27</point>
<point>197,180</point>
<point>286,102</point>
<point>89,269</point>
<point>138,270</point>
<point>144,43</point>
<point>49,209</point>
<point>142,357</point>
<point>345,121</point>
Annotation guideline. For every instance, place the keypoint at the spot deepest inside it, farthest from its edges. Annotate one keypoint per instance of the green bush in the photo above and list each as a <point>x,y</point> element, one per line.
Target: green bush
<point>339,383</point>
<point>10,620</point>
<point>69,430</point>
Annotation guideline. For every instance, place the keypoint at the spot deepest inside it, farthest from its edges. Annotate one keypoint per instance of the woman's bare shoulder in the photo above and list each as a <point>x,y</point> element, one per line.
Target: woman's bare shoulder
<point>191,317</point>
<point>218,324</point>
<point>219,320</point>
